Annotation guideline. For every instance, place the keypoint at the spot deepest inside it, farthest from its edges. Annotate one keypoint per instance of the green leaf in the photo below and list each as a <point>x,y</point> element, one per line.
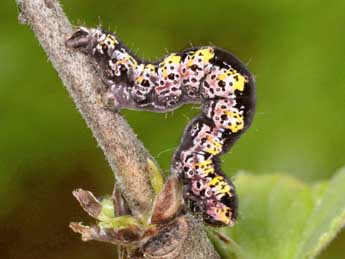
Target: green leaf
<point>327,218</point>
<point>108,211</point>
<point>120,222</point>
<point>282,217</point>
<point>156,177</point>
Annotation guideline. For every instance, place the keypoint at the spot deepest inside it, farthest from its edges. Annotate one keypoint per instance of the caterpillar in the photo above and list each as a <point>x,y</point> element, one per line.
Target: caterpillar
<point>209,75</point>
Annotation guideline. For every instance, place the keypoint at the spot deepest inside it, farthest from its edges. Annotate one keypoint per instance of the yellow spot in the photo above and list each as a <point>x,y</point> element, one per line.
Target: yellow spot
<point>204,163</point>
<point>220,186</point>
<point>174,58</point>
<point>110,41</point>
<point>190,59</point>
<point>133,61</point>
<point>208,170</point>
<point>239,84</point>
<point>216,146</point>
<point>223,188</point>
<point>222,77</point>
<point>171,59</point>
<point>121,62</point>
<point>165,73</point>
<point>128,60</point>
<point>216,180</point>
<point>238,124</point>
<point>139,79</point>
<point>221,215</point>
<point>205,167</point>
<point>206,54</point>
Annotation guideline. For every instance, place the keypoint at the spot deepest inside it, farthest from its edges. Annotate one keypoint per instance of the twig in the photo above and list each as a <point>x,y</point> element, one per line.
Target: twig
<point>124,152</point>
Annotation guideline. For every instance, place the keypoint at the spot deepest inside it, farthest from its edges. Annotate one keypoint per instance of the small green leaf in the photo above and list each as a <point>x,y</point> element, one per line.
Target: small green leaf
<point>119,222</point>
<point>108,211</point>
<point>281,217</point>
<point>156,178</point>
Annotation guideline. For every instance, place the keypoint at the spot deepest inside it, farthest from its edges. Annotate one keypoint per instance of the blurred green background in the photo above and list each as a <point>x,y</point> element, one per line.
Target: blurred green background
<point>295,49</point>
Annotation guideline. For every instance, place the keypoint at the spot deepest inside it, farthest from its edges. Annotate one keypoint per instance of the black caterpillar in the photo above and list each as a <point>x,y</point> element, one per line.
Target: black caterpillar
<point>208,75</point>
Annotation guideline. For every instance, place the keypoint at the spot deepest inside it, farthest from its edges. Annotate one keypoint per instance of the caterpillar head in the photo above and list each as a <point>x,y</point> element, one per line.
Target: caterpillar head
<point>92,41</point>
<point>83,39</point>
